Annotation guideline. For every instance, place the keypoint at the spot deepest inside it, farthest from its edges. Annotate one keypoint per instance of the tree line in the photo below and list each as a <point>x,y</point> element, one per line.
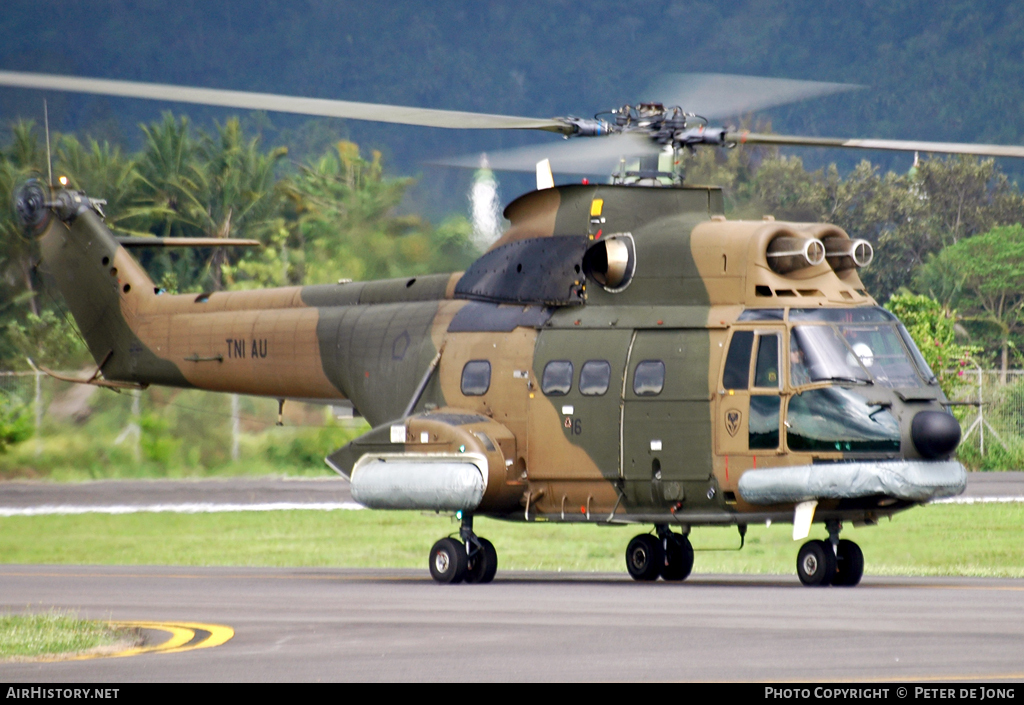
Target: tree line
<point>332,217</point>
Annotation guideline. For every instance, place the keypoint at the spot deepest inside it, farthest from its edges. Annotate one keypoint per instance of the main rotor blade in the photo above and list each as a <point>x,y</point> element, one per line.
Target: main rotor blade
<point>721,95</point>
<point>578,156</point>
<point>426,117</point>
<point>984,150</point>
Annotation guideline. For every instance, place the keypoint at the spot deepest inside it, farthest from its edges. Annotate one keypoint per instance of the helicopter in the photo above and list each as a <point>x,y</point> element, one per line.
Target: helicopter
<point>622,355</point>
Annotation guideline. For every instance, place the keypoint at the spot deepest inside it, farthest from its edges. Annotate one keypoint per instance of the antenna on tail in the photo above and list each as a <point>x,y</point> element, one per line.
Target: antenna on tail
<point>49,161</point>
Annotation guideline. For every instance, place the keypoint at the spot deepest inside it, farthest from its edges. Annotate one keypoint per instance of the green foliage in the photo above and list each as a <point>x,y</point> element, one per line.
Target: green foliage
<point>982,276</point>
<point>46,339</point>
<point>156,441</point>
<point>343,193</point>
<point>933,329</point>
<point>172,433</point>
<point>16,422</point>
<point>307,447</point>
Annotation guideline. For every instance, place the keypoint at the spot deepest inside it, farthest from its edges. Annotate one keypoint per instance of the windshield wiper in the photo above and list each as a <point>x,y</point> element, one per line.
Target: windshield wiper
<point>851,380</point>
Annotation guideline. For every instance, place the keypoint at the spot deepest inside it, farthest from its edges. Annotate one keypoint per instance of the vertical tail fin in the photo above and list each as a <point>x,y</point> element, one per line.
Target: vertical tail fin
<point>105,288</point>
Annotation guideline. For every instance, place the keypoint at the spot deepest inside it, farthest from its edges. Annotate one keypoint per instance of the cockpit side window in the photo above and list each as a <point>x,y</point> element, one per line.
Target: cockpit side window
<point>766,369</point>
<point>737,362</point>
<point>799,374</point>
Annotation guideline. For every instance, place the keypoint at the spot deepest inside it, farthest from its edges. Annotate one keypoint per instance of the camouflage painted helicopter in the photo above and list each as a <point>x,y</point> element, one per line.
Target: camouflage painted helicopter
<point>623,354</point>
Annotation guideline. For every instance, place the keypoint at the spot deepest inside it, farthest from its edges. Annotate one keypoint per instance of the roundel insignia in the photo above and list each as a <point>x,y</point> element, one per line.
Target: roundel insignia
<point>732,421</point>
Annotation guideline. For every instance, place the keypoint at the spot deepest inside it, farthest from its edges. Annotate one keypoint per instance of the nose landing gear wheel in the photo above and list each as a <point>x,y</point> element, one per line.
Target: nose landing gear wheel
<point>448,561</point>
<point>483,564</point>
<point>644,557</point>
<point>678,558</point>
<point>849,564</point>
<point>816,564</point>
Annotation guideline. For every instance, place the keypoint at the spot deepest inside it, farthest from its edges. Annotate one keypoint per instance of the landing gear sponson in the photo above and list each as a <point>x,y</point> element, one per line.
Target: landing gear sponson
<point>834,561</point>
<point>469,558</point>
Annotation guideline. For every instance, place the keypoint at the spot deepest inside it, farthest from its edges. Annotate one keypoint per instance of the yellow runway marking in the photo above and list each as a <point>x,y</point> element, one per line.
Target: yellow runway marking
<point>219,634</point>
<point>182,637</point>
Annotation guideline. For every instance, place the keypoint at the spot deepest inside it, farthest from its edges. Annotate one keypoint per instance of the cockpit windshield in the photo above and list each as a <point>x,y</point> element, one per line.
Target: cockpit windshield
<point>858,353</point>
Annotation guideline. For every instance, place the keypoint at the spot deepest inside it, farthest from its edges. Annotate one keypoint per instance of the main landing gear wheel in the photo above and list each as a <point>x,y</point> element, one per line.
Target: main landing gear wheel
<point>678,557</point>
<point>849,564</point>
<point>816,563</point>
<point>644,557</point>
<point>472,559</point>
<point>448,561</point>
<point>483,563</point>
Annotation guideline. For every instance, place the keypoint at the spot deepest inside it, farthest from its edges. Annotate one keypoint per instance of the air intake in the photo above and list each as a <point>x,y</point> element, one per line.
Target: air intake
<point>788,254</point>
<point>843,253</point>
<point>611,262</point>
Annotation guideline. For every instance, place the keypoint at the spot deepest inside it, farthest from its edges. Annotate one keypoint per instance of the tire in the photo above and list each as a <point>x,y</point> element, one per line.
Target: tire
<point>816,564</point>
<point>644,557</point>
<point>483,565</point>
<point>448,561</point>
<point>849,564</point>
<point>678,558</point>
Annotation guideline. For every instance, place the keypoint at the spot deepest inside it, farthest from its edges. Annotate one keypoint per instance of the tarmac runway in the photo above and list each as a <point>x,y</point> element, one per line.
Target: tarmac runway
<point>297,624</point>
<point>397,625</point>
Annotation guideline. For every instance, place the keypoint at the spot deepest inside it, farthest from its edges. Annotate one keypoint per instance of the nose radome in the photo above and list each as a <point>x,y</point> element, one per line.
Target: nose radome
<point>936,434</point>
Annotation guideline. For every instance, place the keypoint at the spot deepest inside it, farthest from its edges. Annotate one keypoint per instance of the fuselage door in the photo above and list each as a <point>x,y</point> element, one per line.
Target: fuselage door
<point>666,421</point>
<point>749,401</point>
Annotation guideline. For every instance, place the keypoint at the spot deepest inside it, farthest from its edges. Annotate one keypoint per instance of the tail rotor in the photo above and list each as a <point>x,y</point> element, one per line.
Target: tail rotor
<point>31,203</point>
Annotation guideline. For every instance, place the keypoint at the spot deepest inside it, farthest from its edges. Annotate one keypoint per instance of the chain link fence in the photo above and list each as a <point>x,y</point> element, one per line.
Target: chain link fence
<point>85,425</point>
<point>992,411</point>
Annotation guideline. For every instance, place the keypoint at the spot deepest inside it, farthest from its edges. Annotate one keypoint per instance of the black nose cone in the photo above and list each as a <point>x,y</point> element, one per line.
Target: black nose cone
<point>936,434</point>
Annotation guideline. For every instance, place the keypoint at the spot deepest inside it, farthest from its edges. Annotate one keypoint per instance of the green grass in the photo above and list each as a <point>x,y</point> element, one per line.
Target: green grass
<point>974,540</point>
<point>57,632</point>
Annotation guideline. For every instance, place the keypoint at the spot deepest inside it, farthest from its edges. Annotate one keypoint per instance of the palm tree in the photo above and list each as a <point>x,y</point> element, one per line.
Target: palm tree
<point>22,160</point>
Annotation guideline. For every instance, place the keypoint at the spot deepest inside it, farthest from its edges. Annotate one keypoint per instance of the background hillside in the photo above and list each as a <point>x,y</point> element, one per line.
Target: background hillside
<point>939,70</point>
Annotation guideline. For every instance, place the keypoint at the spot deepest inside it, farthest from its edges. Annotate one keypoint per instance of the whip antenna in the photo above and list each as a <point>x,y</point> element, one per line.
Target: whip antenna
<point>49,164</point>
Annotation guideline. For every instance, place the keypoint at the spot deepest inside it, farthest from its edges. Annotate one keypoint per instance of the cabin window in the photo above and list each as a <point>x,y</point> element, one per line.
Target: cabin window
<point>476,378</point>
<point>737,362</point>
<point>766,370</point>
<point>595,377</point>
<point>649,378</point>
<point>557,378</point>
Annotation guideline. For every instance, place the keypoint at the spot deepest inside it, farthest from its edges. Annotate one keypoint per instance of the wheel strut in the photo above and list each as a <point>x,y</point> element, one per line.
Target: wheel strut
<point>481,558</point>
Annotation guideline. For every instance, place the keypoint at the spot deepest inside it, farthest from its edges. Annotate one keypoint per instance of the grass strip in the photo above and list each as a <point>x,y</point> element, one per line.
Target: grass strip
<point>58,632</point>
<point>968,540</point>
